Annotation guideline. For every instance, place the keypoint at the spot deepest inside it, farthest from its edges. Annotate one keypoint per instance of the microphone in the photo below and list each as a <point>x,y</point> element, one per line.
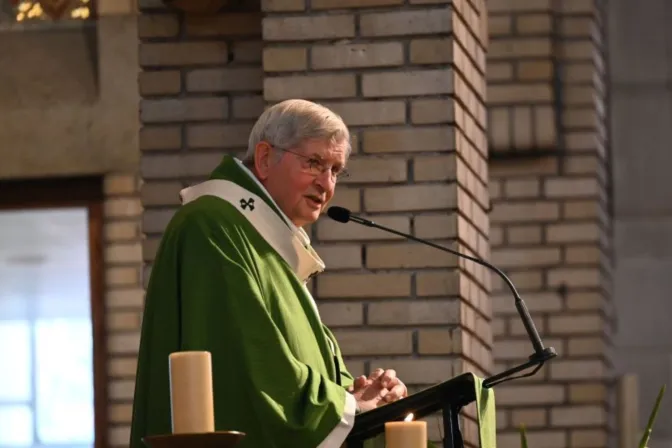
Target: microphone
<point>541,354</point>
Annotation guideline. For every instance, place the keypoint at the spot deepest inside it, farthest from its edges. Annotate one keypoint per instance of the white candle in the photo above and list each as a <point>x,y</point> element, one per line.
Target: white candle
<point>406,434</point>
<point>191,395</point>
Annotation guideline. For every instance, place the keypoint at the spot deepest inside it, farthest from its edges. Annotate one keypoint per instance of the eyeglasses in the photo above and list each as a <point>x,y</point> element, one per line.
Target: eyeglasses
<point>315,167</point>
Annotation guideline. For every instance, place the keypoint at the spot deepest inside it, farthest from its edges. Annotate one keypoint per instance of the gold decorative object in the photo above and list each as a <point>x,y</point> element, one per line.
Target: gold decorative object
<point>198,6</point>
<point>217,439</point>
<point>55,8</point>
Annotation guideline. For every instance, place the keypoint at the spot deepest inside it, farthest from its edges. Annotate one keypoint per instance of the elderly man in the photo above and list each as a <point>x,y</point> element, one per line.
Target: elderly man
<point>229,278</point>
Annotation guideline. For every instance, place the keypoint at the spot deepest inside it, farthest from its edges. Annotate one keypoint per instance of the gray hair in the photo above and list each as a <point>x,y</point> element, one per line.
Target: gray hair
<point>289,123</point>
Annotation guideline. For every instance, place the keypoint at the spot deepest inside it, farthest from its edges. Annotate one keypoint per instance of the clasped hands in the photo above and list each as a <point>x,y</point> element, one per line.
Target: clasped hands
<point>379,388</point>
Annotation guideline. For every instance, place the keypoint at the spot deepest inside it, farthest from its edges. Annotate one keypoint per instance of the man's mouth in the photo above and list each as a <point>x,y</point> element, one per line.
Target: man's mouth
<point>315,200</point>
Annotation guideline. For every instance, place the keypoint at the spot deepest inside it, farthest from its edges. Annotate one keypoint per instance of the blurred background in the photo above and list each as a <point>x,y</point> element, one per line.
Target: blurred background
<point>535,133</point>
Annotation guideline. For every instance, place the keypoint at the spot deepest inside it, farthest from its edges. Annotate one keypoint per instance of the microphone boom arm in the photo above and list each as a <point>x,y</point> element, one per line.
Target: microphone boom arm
<point>540,355</point>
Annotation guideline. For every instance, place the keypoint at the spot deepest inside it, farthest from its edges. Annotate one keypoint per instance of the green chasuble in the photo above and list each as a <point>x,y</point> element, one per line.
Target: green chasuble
<point>230,278</point>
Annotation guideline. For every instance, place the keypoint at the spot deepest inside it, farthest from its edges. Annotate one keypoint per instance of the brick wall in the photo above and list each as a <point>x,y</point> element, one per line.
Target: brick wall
<point>409,81</point>
<point>201,89</point>
<point>124,297</point>
<point>550,221</point>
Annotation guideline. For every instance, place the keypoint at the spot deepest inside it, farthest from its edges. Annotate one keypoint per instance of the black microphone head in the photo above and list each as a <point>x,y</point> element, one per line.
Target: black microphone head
<point>339,214</point>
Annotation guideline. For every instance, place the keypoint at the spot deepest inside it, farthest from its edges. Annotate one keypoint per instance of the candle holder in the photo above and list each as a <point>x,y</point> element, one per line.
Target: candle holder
<point>217,439</point>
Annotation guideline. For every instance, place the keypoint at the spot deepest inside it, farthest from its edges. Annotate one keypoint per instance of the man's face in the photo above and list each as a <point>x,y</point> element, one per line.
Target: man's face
<point>301,190</point>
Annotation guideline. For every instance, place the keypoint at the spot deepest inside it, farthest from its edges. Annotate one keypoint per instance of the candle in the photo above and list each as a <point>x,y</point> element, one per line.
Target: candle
<point>406,434</point>
<point>191,395</point>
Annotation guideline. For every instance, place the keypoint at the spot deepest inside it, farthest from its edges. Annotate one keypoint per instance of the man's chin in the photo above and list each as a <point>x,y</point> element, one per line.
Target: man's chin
<point>309,217</point>
<point>315,215</point>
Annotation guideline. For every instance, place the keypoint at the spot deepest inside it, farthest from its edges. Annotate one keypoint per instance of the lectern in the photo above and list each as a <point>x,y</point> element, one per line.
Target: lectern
<point>449,397</point>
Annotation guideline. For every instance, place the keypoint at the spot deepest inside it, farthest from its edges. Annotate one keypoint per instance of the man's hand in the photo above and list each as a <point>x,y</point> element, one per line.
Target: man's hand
<point>388,380</point>
<point>381,387</point>
<point>360,383</point>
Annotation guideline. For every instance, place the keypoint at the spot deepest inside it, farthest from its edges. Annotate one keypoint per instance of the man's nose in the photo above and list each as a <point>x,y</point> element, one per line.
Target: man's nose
<point>325,180</point>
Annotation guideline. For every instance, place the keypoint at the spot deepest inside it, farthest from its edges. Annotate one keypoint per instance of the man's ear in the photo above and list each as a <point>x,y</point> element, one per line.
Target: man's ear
<point>263,159</point>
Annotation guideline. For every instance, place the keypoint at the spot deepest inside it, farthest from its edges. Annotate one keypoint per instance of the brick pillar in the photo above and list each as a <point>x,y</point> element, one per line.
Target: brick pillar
<point>123,297</point>
<point>409,81</point>
<point>550,222</point>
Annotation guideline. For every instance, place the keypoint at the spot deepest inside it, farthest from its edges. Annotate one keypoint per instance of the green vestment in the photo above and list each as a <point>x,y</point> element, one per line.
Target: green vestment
<point>229,278</point>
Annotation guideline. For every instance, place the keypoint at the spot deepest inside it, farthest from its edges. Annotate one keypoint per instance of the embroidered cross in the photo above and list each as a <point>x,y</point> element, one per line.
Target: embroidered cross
<point>249,203</point>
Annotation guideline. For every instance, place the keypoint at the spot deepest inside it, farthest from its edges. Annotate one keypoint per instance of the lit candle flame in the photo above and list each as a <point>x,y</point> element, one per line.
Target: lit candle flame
<point>409,417</point>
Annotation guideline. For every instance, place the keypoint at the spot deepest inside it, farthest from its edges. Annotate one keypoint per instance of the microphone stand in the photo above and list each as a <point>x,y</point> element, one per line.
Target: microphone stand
<point>541,354</point>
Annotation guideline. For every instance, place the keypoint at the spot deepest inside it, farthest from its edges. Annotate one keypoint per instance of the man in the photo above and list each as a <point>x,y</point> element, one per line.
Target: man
<point>229,278</point>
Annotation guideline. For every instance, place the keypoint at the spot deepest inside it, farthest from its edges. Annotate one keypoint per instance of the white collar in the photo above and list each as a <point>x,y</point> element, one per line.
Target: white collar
<point>303,236</point>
